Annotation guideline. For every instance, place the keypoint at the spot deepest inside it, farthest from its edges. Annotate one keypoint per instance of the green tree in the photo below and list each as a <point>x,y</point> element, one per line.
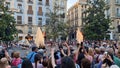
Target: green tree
<point>7,23</point>
<point>96,24</point>
<point>56,28</point>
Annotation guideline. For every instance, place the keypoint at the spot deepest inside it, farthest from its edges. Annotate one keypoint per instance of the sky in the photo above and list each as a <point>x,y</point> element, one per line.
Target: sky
<point>70,3</point>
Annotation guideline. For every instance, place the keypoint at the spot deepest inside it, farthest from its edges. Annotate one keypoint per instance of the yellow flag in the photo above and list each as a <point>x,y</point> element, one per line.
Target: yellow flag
<point>39,41</point>
<point>79,36</point>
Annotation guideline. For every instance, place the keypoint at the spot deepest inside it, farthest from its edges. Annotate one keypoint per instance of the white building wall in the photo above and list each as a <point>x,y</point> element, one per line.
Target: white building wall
<point>24,26</point>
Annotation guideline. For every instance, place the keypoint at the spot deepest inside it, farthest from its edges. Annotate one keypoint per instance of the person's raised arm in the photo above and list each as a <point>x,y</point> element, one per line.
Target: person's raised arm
<point>53,59</point>
<point>63,53</point>
<point>68,51</point>
<point>7,55</point>
<point>77,51</point>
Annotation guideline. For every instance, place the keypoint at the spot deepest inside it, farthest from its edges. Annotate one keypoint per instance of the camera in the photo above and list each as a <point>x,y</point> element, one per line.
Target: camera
<point>106,54</point>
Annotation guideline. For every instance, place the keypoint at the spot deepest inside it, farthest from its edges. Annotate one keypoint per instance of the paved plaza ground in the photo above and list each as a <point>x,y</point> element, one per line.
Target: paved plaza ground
<point>24,52</point>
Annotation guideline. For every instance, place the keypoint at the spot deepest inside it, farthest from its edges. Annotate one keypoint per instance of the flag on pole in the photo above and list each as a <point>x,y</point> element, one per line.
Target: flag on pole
<point>79,36</point>
<point>39,40</point>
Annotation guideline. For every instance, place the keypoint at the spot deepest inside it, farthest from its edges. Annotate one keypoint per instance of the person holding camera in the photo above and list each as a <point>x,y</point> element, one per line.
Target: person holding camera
<point>5,59</point>
<point>106,61</point>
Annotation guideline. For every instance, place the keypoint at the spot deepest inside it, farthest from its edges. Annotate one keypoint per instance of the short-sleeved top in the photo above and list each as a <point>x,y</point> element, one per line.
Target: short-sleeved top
<point>31,56</point>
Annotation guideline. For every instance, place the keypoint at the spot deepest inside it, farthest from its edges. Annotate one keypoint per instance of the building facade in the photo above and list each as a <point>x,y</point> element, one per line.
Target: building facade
<point>60,6</point>
<point>114,14</point>
<point>76,14</point>
<point>75,17</point>
<point>29,14</point>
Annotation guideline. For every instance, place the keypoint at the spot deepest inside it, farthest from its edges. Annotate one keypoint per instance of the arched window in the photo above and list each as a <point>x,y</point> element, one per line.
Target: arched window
<point>20,31</point>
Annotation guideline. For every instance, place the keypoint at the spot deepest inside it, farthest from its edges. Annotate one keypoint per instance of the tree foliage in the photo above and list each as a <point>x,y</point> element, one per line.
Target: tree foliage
<point>55,28</point>
<point>7,23</point>
<point>96,24</point>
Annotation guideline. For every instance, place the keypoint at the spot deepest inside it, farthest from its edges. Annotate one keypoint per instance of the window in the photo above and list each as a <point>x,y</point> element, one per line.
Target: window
<point>47,21</point>
<point>107,13</point>
<point>47,2</point>
<point>29,29</point>
<point>118,12</point>
<point>20,7</point>
<point>107,1</point>
<point>39,21</point>
<point>30,11</point>
<point>30,20</point>
<point>40,2</point>
<point>19,19</point>
<point>8,4</point>
<point>40,11</point>
<point>30,7</point>
<point>56,3</point>
<point>118,1</point>
<point>30,1</point>
<point>62,3</point>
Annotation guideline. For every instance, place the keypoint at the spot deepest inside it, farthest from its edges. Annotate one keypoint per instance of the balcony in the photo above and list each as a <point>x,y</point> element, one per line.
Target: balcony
<point>20,0</point>
<point>19,22</point>
<point>39,2</point>
<point>20,11</point>
<point>40,13</point>
<point>30,12</point>
<point>30,2</point>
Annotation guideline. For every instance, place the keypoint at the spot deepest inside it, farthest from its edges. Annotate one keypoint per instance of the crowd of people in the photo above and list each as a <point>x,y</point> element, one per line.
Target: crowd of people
<point>87,54</point>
